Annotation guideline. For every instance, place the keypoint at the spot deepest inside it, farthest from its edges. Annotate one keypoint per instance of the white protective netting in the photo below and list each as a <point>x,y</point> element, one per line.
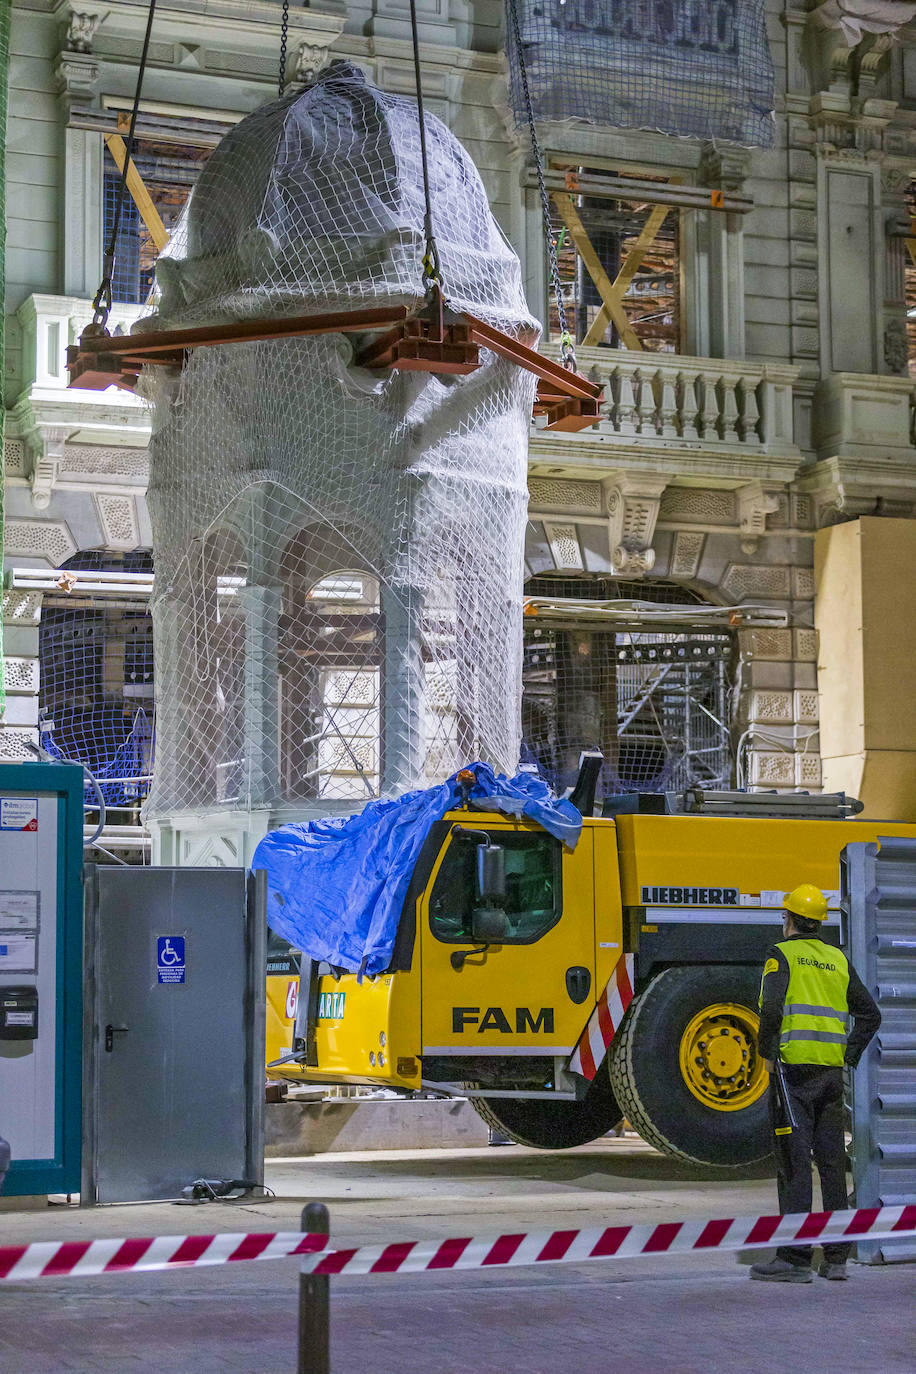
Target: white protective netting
<point>338,552</point>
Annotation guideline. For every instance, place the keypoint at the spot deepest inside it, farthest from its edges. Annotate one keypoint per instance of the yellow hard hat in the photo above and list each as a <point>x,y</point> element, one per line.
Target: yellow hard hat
<point>806,900</point>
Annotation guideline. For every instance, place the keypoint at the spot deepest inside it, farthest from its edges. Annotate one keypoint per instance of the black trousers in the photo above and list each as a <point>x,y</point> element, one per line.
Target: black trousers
<point>816,1095</point>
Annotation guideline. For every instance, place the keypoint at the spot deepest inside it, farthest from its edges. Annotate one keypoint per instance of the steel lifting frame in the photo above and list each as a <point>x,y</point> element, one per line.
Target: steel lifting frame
<point>434,339</point>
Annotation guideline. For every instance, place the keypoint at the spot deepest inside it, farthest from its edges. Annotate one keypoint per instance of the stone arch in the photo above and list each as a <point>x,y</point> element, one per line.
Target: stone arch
<point>331,658</point>
<point>96,687</point>
<point>656,701</point>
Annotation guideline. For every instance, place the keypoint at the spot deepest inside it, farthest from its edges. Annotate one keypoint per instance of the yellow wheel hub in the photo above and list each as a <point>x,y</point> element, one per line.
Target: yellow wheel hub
<point>719,1060</point>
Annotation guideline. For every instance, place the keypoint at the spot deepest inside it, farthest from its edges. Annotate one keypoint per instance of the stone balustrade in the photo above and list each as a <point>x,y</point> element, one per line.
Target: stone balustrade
<point>709,403</point>
<point>49,324</point>
<point>661,398</point>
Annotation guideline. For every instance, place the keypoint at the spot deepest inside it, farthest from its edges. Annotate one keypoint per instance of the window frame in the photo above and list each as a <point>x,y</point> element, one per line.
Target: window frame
<point>711,249</point>
<point>684,240</point>
<point>499,836</point>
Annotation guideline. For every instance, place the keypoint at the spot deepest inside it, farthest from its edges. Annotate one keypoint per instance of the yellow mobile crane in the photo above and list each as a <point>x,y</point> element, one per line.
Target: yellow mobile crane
<point>507,941</point>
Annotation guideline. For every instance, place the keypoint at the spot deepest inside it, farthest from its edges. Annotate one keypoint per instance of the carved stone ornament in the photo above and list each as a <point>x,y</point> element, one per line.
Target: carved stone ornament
<point>896,346</point>
<point>756,501</point>
<point>895,181</point>
<point>632,503</point>
<point>848,127</point>
<point>724,166</point>
<point>872,52</point>
<point>81,31</point>
<point>856,18</point>
<point>46,464</point>
<point>77,76</point>
<point>839,502</point>
<point>310,59</point>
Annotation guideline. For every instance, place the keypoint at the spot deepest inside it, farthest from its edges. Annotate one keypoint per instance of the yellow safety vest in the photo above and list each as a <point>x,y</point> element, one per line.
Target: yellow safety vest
<point>814,1017</point>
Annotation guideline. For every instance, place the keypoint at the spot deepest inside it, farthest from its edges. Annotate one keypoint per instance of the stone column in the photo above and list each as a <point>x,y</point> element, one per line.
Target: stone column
<point>77,75</point>
<point>724,169</point>
<point>401,691</point>
<point>21,612</point>
<point>895,349</point>
<point>778,711</point>
<point>262,600</point>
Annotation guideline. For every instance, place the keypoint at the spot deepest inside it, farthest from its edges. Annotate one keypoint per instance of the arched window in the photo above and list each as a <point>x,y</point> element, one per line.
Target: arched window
<point>96,694</point>
<point>330,662</point>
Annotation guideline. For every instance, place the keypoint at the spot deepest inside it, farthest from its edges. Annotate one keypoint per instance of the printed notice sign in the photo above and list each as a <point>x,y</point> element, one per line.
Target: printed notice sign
<point>18,910</point>
<point>170,959</point>
<point>18,951</point>
<point>18,813</point>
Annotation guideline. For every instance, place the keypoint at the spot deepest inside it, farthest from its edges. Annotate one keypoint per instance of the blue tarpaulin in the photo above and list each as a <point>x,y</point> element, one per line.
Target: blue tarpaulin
<point>336,887</point>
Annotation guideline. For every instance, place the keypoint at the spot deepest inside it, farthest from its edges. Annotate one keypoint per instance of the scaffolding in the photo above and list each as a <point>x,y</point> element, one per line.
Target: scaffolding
<point>656,700</point>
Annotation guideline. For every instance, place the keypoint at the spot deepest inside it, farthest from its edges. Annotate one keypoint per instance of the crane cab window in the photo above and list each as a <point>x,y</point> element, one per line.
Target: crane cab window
<point>281,957</point>
<point>533,901</point>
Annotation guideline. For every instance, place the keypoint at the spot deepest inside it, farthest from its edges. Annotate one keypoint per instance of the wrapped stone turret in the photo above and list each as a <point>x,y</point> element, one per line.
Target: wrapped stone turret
<point>338,551</point>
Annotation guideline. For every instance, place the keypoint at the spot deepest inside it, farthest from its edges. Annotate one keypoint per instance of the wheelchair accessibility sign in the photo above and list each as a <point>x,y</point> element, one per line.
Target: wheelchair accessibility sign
<point>170,964</point>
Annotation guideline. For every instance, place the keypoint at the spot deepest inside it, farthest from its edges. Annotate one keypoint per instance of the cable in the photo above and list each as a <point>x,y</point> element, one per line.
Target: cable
<point>777,744</point>
<point>567,347</point>
<point>101,305</point>
<point>87,844</point>
<point>432,266</point>
<point>284,34</point>
<point>45,757</point>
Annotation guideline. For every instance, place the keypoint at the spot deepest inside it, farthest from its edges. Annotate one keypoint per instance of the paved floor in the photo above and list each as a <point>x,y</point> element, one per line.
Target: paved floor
<point>687,1315</point>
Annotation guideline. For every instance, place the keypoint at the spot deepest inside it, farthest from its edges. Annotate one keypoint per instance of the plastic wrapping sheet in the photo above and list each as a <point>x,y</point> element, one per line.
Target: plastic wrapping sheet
<point>336,887</point>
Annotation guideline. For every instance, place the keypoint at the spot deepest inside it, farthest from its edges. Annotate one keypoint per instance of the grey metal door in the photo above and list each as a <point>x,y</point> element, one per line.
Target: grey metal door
<point>176,1040</point>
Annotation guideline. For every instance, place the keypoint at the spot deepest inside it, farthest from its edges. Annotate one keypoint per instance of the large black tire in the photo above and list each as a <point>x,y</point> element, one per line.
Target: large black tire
<point>546,1125</point>
<point>646,1075</point>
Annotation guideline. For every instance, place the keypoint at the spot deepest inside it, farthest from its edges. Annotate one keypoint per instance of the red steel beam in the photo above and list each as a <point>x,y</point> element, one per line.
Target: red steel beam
<point>424,342</point>
<point>249,331</point>
<point>566,382</point>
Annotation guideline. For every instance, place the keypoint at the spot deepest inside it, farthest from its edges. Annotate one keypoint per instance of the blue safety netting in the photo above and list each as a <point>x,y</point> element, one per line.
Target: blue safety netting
<point>336,887</point>
<point>698,68</point>
<point>116,751</point>
<point>96,686</point>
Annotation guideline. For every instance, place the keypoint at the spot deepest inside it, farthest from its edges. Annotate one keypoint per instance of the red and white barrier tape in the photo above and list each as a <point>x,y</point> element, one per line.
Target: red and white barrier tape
<point>604,1021</point>
<point>618,1242</point>
<point>75,1259</point>
<point>80,1258</point>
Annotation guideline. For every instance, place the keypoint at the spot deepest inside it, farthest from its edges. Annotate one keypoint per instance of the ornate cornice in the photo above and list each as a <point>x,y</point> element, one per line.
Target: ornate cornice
<point>845,488</point>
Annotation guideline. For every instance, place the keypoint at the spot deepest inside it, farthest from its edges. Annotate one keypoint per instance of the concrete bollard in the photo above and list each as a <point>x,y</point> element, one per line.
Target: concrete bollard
<point>314,1302</point>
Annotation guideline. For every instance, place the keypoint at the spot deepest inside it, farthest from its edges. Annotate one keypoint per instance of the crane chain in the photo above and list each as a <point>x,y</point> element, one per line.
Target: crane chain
<point>567,347</point>
<point>102,301</point>
<point>284,35</point>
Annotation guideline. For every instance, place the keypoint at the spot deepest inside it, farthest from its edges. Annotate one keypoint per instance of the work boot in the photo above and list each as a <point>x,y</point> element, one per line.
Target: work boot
<point>781,1271</point>
<point>832,1271</point>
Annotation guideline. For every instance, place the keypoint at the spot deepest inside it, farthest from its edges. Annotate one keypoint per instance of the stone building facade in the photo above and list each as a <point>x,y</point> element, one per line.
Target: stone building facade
<point>784,405</point>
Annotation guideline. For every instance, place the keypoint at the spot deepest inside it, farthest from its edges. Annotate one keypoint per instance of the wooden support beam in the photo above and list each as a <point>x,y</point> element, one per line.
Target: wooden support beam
<point>140,195</point>
<point>603,283</point>
<point>639,192</point>
<point>627,272</point>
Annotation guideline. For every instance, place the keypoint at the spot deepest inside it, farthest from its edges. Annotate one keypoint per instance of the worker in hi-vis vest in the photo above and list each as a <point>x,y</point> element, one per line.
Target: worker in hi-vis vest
<point>808,990</point>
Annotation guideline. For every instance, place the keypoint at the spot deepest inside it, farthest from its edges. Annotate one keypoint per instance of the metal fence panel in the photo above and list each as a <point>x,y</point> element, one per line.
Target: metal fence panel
<point>879,912</point>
